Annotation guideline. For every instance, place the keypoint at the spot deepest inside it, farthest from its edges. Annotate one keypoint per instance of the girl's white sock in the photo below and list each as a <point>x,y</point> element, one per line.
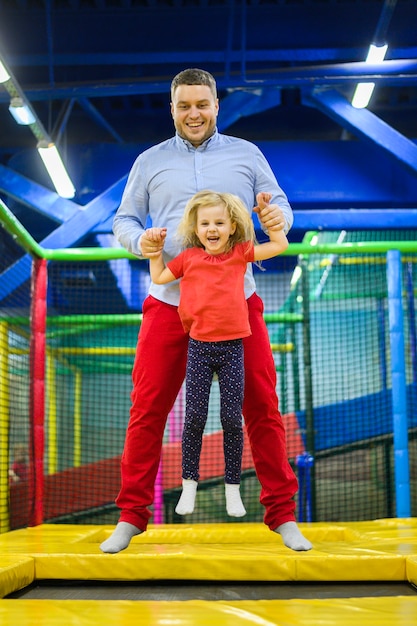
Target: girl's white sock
<point>186,502</point>
<point>234,504</point>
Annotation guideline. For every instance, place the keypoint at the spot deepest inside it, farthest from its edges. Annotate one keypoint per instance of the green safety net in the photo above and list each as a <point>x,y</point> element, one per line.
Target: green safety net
<point>328,318</point>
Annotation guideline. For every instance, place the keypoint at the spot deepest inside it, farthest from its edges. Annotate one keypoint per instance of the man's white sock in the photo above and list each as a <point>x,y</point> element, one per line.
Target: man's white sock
<point>120,538</point>
<point>292,537</point>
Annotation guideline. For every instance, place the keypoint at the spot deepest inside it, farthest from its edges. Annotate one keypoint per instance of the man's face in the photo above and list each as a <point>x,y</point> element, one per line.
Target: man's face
<point>194,111</point>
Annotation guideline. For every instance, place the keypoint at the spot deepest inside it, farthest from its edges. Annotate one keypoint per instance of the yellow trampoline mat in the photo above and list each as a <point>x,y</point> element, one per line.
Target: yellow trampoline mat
<point>380,550</point>
<point>397,611</point>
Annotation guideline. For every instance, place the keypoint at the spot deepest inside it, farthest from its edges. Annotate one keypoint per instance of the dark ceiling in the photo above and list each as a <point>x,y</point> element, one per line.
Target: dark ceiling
<point>99,70</point>
<point>97,73</point>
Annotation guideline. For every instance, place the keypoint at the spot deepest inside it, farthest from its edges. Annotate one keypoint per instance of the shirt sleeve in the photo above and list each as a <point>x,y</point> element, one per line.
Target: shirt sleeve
<point>266,181</point>
<point>130,220</point>
<point>176,265</point>
<point>248,251</point>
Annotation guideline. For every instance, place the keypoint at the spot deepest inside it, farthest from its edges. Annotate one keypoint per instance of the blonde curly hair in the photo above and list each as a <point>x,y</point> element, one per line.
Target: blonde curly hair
<point>236,209</point>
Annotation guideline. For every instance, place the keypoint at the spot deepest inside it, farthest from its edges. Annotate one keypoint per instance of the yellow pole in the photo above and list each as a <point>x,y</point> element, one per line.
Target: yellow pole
<point>4,428</point>
<point>52,413</point>
<point>77,418</point>
<point>116,351</point>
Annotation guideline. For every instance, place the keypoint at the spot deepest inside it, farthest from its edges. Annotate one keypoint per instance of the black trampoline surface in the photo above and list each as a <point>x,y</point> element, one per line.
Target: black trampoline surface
<point>218,590</point>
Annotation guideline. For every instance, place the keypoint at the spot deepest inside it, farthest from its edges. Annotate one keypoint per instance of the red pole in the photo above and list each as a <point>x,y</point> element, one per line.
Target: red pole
<point>39,281</point>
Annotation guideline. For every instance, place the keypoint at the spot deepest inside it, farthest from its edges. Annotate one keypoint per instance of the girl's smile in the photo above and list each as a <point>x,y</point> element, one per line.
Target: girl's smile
<point>214,228</point>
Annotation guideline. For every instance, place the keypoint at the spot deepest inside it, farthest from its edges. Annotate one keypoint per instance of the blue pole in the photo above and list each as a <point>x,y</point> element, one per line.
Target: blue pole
<point>304,463</point>
<point>399,387</point>
<point>381,342</point>
<point>412,320</point>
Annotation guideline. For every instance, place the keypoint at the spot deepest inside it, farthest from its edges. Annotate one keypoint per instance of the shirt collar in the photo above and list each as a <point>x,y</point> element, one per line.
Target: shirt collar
<point>184,142</point>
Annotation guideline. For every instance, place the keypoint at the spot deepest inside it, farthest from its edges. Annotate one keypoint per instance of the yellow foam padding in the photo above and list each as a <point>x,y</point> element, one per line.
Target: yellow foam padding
<point>393,611</point>
<point>412,570</point>
<point>16,572</point>
<point>354,551</point>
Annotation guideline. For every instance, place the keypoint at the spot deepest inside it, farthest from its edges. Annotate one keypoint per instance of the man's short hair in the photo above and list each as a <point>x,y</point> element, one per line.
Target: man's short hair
<point>194,76</point>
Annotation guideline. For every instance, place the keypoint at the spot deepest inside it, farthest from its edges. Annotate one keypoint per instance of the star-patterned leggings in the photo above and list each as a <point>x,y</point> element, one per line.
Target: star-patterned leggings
<point>224,358</point>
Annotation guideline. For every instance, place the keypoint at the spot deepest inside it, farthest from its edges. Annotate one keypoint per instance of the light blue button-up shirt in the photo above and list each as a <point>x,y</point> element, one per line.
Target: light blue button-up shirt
<point>164,177</point>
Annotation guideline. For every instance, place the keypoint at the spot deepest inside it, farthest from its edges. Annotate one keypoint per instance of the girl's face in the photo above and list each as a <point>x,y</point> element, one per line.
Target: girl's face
<point>214,228</point>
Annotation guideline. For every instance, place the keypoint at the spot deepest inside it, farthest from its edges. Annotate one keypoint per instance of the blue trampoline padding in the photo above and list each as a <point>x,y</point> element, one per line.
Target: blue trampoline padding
<point>355,420</point>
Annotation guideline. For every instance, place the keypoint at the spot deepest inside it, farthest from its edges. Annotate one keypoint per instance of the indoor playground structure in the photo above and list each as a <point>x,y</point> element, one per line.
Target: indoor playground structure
<point>340,309</point>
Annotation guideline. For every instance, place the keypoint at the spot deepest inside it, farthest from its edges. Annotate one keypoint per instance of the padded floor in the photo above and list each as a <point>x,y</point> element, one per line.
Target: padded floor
<point>363,553</point>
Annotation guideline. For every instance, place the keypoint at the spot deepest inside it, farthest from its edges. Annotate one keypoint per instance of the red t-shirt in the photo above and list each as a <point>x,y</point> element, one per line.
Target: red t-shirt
<point>212,298</point>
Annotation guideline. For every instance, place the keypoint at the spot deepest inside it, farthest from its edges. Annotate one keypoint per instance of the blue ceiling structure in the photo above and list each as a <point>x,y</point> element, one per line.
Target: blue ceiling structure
<point>97,73</point>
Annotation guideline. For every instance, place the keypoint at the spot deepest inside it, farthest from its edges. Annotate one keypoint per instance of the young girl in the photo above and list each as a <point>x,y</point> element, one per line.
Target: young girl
<point>218,238</point>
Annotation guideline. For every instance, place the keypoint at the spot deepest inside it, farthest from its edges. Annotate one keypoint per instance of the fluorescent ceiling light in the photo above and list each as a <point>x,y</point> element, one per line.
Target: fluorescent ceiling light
<point>363,91</point>
<point>21,112</point>
<point>56,169</point>
<point>376,54</point>
<point>362,95</point>
<point>4,74</point>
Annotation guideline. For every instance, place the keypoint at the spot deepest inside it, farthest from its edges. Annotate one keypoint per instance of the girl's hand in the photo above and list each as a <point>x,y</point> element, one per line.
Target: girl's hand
<point>262,199</point>
<point>152,242</point>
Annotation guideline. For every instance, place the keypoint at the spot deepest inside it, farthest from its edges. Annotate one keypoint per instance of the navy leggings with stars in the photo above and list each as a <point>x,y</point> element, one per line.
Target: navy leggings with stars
<point>225,358</point>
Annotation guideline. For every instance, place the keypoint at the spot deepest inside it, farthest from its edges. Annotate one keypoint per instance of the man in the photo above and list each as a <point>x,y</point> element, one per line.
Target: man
<point>162,180</point>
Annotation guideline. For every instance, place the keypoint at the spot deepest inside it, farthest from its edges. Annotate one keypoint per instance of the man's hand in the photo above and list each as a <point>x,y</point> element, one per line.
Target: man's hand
<point>270,215</point>
<point>152,242</point>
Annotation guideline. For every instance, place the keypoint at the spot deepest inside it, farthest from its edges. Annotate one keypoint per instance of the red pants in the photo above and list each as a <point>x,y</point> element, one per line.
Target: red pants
<point>158,374</point>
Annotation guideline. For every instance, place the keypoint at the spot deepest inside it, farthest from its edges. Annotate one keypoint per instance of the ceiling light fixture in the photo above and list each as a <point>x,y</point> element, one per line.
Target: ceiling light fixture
<point>56,170</point>
<point>21,112</point>
<point>377,52</point>
<point>363,91</point>
<point>4,75</point>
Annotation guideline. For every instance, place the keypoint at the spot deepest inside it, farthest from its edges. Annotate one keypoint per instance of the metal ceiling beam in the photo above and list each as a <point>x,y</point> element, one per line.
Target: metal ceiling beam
<point>66,235</point>
<point>188,58</point>
<point>12,89</point>
<point>364,124</point>
<point>245,103</point>
<point>91,110</point>
<point>355,219</point>
<point>395,72</point>
<point>34,196</point>
<point>381,31</point>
